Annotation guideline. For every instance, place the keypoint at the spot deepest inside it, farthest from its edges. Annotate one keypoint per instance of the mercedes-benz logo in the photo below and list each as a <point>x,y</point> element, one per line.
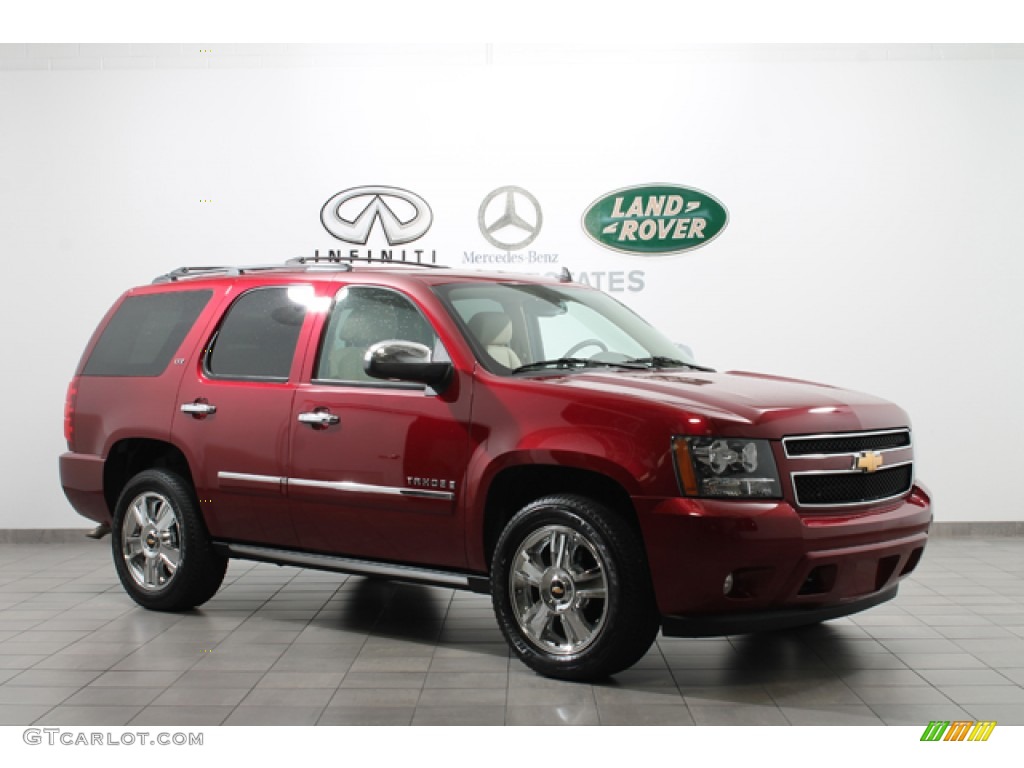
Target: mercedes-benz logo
<point>508,213</point>
<point>399,227</point>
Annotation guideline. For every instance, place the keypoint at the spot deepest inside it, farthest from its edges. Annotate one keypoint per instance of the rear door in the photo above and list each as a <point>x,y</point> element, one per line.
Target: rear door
<point>232,416</point>
<point>377,467</point>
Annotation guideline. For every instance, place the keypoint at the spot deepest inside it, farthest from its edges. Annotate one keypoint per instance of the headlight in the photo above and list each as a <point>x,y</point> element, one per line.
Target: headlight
<point>726,467</point>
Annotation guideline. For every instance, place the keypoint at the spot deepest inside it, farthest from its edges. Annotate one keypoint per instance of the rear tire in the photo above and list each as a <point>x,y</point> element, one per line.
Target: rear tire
<point>571,589</point>
<point>161,549</point>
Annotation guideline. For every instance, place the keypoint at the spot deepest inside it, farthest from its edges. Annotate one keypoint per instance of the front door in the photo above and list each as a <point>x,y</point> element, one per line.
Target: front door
<point>377,467</point>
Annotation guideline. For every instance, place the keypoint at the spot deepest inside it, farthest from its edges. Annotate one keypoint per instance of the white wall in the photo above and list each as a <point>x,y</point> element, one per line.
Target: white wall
<point>875,197</point>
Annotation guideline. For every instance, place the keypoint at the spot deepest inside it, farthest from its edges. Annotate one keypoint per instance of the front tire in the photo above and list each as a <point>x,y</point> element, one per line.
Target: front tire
<point>161,549</point>
<point>571,589</point>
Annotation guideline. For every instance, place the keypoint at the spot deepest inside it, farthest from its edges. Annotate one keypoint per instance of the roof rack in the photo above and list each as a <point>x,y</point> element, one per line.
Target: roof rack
<point>310,262</point>
<point>182,273</point>
<point>232,270</point>
<point>316,262</point>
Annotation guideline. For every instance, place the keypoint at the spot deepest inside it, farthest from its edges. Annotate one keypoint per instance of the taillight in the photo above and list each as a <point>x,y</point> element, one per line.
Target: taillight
<point>69,411</point>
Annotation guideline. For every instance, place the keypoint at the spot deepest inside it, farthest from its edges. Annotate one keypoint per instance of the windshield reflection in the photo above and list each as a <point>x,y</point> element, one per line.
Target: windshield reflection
<point>521,327</point>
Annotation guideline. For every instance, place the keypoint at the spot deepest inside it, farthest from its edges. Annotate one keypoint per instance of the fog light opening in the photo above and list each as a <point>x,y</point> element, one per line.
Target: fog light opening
<point>746,583</point>
<point>912,561</point>
<point>819,581</point>
<point>886,568</point>
<point>728,584</point>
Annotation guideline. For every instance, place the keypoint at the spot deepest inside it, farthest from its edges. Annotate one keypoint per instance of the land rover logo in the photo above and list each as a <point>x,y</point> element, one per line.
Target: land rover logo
<point>351,214</point>
<point>510,218</point>
<point>655,219</point>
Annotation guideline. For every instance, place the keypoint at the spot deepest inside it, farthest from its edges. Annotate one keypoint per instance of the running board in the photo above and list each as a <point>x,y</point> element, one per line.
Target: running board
<point>470,581</point>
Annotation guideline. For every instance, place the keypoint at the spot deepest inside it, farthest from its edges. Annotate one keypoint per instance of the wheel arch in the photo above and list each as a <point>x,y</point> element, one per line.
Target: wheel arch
<point>516,485</point>
<point>129,456</point>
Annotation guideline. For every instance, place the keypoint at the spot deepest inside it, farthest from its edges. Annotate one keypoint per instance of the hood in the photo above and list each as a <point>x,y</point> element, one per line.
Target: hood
<point>749,403</point>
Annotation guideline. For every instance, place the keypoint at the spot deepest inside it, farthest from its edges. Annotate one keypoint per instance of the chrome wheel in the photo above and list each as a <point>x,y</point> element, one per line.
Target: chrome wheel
<point>559,590</point>
<point>151,542</point>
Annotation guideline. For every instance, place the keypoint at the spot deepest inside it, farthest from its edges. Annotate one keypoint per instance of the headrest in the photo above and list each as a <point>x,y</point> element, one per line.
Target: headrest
<point>491,328</point>
<point>361,328</point>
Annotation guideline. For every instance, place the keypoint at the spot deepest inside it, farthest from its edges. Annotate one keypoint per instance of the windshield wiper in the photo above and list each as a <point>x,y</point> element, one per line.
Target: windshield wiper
<point>660,361</point>
<point>577,362</point>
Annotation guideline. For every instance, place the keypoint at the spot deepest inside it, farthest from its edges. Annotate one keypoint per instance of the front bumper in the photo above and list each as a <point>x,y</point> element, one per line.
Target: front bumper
<point>768,621</point>
<point>786,567</point>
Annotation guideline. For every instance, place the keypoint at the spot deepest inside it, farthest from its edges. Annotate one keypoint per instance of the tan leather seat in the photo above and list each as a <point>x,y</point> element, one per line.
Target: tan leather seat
<point>494,332</point>
<point>358,332</point>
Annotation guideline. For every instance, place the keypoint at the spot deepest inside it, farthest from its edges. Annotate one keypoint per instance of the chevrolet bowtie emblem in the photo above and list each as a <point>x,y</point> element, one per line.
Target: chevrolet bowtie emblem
<point>868,461</point>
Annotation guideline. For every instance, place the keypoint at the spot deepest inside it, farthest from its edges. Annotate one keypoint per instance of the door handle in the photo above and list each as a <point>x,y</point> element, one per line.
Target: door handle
<point>198,410</point>
<point>320,419</point>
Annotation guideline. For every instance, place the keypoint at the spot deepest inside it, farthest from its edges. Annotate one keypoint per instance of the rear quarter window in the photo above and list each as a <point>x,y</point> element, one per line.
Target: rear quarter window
<point>144,333</point>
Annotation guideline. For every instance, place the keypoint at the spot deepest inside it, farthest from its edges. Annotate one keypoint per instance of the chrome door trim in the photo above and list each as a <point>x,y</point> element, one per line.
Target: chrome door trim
<point>246,478</point>
<point>341,486</point>
<point>347,486</point>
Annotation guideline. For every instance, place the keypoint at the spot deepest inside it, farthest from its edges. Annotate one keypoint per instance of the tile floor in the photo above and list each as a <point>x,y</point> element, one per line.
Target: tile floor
<point>295,647</point>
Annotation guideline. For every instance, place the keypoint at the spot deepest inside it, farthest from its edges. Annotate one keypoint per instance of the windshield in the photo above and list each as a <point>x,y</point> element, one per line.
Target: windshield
<point>515,327</point>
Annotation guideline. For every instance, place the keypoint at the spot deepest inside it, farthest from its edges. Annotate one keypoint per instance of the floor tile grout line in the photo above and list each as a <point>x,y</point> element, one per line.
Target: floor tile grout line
<point>103,672</point>
<point>253,613</point>
<point>362,645</point>
<point>668,667</point>
<point>852,638</point>
<point>433,655</point>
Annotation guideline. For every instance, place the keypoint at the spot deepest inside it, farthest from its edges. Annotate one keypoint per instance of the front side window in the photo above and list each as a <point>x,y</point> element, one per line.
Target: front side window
<point>257,338</point>
<point>361,317</point>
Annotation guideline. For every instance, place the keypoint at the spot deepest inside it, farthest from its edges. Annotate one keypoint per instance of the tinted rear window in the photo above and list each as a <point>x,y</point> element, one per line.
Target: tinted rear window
<point>144,333</point>
<point>257,338</point>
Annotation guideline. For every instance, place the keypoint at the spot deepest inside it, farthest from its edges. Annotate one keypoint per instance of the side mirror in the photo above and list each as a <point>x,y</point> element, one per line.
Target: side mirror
<point>406,361</point>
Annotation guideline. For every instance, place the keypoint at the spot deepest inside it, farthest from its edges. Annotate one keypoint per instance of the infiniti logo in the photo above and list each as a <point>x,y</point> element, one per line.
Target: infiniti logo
<point>353,221</point>
<point>506,214</point>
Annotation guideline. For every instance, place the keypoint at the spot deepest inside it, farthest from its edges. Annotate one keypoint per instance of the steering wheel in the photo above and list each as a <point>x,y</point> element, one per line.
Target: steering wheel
<point>584,344</point>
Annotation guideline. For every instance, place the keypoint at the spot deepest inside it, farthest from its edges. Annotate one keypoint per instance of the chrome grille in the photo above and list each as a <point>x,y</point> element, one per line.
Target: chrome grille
<point>849,443</point>
<point>841,488</point>
<point>851,468</point>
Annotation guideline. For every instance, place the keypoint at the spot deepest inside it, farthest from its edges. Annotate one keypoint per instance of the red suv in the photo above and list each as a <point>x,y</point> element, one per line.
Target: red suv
<point>517,435</point>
